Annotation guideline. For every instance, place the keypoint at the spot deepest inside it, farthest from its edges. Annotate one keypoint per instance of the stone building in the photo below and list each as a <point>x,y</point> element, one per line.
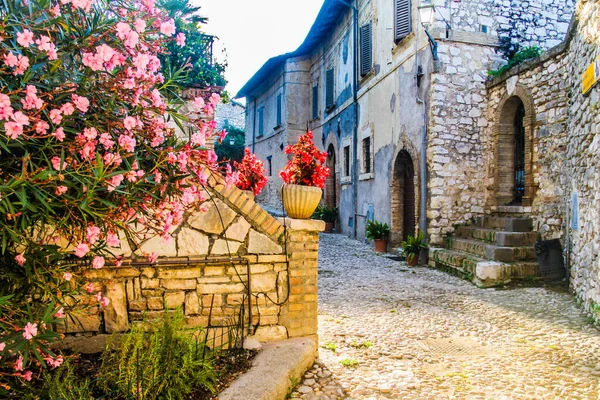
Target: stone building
<point>232,113</point>
<point>401,126</point>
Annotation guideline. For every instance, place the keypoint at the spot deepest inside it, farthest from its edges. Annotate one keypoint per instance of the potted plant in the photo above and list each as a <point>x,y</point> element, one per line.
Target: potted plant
<point>250,174</point>
<point>328,215</point>
<point>304,177</point>
<point>411,248</point>
<point>378,232</point>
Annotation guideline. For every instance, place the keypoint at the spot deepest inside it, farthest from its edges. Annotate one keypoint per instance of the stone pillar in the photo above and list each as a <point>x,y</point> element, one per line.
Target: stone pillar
<point>299,314</point>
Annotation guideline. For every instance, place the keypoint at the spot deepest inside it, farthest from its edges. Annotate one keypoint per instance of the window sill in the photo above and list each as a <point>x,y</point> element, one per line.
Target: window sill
<point>346,181</point>
<point>277,127</point>
<point>330,108</point>
<point>366,177</point>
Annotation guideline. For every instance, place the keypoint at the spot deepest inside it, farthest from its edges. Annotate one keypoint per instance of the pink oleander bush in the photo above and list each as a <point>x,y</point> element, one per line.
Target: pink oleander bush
<point>87,160</point>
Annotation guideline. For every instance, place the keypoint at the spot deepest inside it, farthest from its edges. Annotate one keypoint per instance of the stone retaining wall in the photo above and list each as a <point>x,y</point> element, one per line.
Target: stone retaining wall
<point>208,263</point>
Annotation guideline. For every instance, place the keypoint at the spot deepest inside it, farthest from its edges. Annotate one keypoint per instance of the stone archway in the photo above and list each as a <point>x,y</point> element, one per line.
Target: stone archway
<point>403,198</point>
<point>331,187</point>
<point>513,150</point>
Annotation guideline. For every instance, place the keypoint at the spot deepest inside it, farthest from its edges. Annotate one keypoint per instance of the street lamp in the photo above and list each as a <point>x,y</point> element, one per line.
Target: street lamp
<point>426,14</point>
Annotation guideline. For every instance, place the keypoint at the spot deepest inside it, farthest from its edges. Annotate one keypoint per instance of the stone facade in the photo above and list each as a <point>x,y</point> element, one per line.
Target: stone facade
<point>232,113</point>
<point>216,257</point>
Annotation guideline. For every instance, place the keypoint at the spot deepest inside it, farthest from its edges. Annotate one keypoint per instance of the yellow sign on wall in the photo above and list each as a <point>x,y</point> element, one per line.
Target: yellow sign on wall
<point>591,76</point>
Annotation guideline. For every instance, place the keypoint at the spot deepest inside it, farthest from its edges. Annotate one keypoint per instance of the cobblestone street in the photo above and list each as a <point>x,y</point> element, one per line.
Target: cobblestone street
<point>387,331</point>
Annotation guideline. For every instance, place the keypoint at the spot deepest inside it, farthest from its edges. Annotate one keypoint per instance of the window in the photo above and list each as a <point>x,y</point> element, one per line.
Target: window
<point>261,121</point>
<point>270,165</point>
<point>278,111</point>
<point>366,50</point>
<point>484,28</point>
<point>329,87</point>
<point>315,102</point>
<point>367,159</point>
<point>402,19</point>
<point>347,161</point>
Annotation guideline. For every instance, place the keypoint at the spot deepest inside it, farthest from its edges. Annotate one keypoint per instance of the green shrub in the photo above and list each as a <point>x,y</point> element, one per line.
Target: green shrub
<point>63,384</point>
<point>527,53</point>
<point>413,245</point>
<point>156,361</point>
<point>326,213</point>
<point>377,230</point>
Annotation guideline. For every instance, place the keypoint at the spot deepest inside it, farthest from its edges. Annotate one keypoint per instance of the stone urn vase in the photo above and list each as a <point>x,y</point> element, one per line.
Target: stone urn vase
<point>299,201</point>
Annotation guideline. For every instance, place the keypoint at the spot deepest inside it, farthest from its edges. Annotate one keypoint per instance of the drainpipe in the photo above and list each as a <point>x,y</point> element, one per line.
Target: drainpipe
<point>423,155</point>
<point>253,124</point>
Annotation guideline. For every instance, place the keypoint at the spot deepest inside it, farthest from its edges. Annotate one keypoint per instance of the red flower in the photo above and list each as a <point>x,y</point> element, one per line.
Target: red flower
<point>305,167</point>
<point>251,173</point>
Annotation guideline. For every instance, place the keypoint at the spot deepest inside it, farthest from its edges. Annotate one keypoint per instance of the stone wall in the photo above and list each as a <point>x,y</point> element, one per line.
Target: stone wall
<point>232,113</point>
<point>215,258</point>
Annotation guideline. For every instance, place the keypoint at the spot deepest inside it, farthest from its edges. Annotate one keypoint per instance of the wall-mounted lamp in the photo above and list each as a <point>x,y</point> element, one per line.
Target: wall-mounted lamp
<point>427,13</point>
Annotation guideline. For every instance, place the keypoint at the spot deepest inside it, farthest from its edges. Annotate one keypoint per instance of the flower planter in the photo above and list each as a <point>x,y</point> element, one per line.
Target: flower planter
<point>381,245</point>
<point>412,260</point>
<point>300,202</point>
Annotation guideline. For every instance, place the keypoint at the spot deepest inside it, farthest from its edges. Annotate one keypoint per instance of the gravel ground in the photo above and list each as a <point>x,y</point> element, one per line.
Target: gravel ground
<point>387,331</point>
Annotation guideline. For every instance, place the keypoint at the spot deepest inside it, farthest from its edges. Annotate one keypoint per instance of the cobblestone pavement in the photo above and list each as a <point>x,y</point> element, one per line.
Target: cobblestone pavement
<point>387,331</point>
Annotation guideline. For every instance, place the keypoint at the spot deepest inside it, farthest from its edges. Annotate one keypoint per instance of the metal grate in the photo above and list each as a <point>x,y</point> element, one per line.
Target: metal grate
<point>454,346</point>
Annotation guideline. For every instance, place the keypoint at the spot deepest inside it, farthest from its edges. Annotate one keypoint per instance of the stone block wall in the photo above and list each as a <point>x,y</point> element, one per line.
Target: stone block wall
<point>216,256</point>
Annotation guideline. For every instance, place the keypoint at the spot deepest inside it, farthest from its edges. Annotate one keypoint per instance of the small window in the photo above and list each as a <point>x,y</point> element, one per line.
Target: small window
<point>315,102</point>
<point>270,165</point>
<point>484,28</point>
<point>402,19</point>
<point>366,51</point>
<point>329,88</point>
<point>367,159</point>
<point>278,111</point>
<point>347,161</point>
<point>261,121</point>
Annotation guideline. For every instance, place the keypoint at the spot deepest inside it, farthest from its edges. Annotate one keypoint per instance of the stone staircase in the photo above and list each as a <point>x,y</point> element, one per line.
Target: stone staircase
<point>493,251</point>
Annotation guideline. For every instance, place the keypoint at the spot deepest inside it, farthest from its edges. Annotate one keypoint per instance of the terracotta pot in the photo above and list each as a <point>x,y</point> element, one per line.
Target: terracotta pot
<point>381,245</point>
<point>412,260</point>
<point>300,202</point>
<point>329,227</point>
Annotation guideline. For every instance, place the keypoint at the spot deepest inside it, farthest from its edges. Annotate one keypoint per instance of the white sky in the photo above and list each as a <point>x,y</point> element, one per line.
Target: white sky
<point>252,31</point>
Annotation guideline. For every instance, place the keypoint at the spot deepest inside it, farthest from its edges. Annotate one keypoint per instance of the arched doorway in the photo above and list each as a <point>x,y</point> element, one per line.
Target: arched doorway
<point>403,198</point>
<point>330,183</point>
<point>514,180</point>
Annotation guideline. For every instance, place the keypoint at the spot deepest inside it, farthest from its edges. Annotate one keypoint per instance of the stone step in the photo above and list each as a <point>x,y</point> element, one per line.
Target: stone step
<point>511,210</point>
<point>482,272</point>
<point>499,238</point>
<point>506,224</point>
<point>490,251</point>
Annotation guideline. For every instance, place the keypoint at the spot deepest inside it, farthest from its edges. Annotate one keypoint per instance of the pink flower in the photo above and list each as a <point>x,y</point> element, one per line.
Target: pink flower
<point>67,108</point>
<point>153,257</point>
<point>90,133</point>
<point>198,103</point>
<point>20,259</point>
<point>139,25</point>
<point>89,287</point>
<point>106,140</point>
<point>156,98</point>
<point>180,39</point>
<point>167,28</point>
<point>119,262</point>
<point>60,190</point>
<point>59,134</point>
<point>105,52</point>
<point>54,363</point>
<point>56,163</point>
<point>30,331</point>
<point>104,302</point>
<point>20,118</point>
<point>127,143</point>
<point>22,65</point>
<point>4,100</point>
<point>98,296</point>
<point>13,130</point>
<point>60,313</point>
<point>42,127</point>
<point>25,38</point>
<point>19,364</point>
<point>129,123</point>
<point>2,346</point>
<point>27,375</point>
<point>81,250</point>
<point>82,103</point>
<point>85,5</point>
<point>56,117</point>
<point>132,39</point>
<point>129,83</point>
<point>115,181</point>
<point>112,239</point>
<point>98,262</point>
<point>141,62</point>
<point>93,234</point>
<point>10,59</point>
<point>67,276</point>
<point>123,30</point>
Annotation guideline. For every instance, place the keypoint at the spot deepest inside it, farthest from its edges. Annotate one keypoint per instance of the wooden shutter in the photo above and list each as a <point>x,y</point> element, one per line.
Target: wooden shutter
<point>278,110</point>
<point>366,49</point>
<point>329,88</point>
<point>402,19</point>
<point>315,102</point>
